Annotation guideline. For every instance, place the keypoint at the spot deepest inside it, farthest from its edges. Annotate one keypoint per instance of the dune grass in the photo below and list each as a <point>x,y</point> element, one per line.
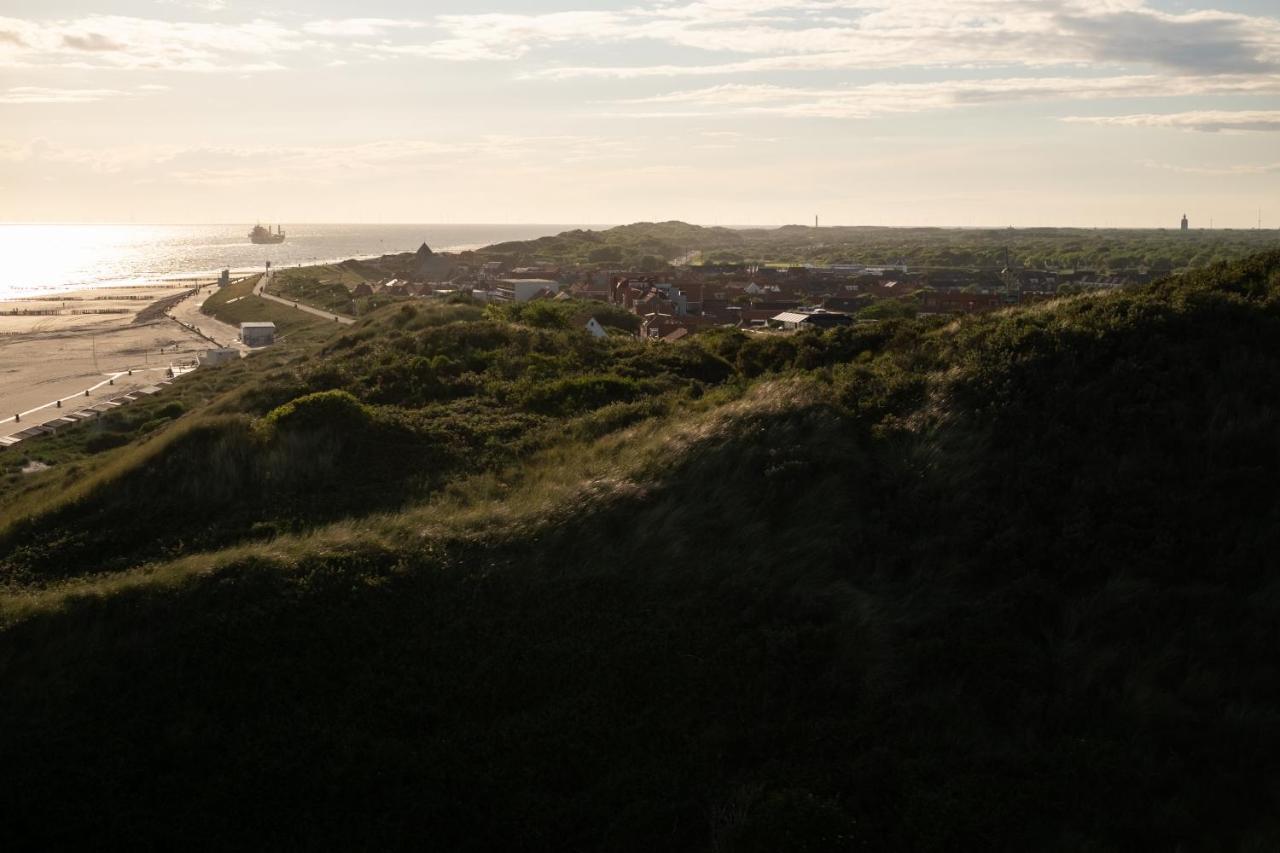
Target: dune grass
<point>918,586</point>
<point>236,304</point>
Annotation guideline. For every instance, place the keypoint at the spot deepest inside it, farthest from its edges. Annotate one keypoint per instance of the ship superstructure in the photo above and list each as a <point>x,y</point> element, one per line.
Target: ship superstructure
<point>262,235</point>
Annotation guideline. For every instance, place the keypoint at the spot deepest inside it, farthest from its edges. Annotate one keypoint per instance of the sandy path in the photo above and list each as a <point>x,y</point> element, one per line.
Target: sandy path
<point>187,312</point>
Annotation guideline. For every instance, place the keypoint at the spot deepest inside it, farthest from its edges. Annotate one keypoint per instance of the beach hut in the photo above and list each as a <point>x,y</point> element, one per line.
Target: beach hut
<point>258,334</point>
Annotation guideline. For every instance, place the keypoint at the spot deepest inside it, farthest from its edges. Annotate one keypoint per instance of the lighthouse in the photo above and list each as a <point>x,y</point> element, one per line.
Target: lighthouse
<point>1184,222</point>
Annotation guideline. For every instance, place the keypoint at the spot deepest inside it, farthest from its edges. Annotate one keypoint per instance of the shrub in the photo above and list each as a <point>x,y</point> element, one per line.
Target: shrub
<point>887,309</point>
<point>321,410</point>
<point>579,394</point>
<point>172,409</point>
<point>605,255</point>
<point>153,424</point>
<point>105,441</point>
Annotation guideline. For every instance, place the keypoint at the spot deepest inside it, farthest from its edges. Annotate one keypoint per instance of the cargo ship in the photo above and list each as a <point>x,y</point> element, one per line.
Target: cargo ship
<point>262,235</point>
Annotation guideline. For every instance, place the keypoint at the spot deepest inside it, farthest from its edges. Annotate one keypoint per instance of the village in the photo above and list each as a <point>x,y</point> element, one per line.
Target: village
<point>665,305</point>
<point>683,300</point>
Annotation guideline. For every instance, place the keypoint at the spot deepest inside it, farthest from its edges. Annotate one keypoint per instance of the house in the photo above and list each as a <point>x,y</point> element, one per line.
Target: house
<point>362,289</point>
<point>646,296</point>
<point>258,334</point>
<point>594,328</point>
<point>592,287</point>
<point>668,327</point>
<point>845,304</point>
<point>428,266</point>
<point>810,318</point>
<point>718,310</point>
<point>750,317</point>
<point>546,272</point>
<point>219,356</point>
<point>523,289</point>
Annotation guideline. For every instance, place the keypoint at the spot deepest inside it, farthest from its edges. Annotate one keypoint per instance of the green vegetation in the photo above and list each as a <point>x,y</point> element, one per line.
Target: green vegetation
<point>564,314</point>
<point>644,246</point>
<point>330,287</point>
<point>647,246</point>
<point>472,576</point>
<point>236,304</point>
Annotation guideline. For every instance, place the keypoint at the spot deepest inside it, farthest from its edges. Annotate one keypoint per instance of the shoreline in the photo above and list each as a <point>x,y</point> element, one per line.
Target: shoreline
<point>51,353</point>
<point>26,293</point>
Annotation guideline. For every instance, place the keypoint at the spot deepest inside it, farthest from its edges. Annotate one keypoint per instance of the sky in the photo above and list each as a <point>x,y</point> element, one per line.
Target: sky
<point>1121,113</point>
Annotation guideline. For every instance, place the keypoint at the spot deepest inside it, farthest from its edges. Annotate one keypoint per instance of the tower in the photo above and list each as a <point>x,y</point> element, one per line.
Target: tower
<point>1184,222</point>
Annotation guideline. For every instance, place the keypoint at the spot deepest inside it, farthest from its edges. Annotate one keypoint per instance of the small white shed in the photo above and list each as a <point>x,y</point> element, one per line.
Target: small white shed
<point>222,355</point>
<point>258,334</point>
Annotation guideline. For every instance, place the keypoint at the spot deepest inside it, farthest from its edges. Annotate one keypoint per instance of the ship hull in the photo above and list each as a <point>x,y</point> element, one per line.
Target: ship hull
<point>266,241</point>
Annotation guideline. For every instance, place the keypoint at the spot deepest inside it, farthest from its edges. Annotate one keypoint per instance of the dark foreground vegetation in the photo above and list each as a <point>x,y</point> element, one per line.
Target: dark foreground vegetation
<point>477,581</point>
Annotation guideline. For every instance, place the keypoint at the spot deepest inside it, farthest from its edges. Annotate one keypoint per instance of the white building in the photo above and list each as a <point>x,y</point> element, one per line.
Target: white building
<point>222,355</point>
<point>258,334</point>
<point>595,329</point>
<point>810,318</point>
<point>523,289</point>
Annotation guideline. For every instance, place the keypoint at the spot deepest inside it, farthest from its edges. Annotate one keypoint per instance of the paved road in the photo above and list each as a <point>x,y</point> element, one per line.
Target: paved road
<point>116,384</point>
<point>187,312</point>
<point>260,290</point>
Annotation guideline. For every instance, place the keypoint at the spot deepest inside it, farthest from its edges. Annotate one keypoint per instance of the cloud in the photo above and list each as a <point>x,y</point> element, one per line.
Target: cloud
<point>91,41</point>
<point>776,35</point>
<point>727,37</point>
<point>43,95</point>
<point>499,36</point>
<point>1208,121</point>
<point>857,102</point>
<point>1218,171</point>
<point>1194,42</point>
<point>114,41</point>
<point>202,5</point>
<point>358,27</point>
<point>319,164</point>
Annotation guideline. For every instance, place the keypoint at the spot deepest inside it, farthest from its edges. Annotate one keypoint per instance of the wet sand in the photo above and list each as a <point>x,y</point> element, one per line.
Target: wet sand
<point>47,357</point>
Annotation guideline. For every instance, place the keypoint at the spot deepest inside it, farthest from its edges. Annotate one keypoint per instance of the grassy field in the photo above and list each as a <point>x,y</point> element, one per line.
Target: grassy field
<point>329,287</point>
<point>236,304</point>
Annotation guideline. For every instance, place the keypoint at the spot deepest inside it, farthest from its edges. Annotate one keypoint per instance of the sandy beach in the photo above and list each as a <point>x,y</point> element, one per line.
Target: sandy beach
<point>57,348</point>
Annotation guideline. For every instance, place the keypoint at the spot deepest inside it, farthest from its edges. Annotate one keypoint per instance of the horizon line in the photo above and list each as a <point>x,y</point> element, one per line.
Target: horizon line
<point>571,225</point>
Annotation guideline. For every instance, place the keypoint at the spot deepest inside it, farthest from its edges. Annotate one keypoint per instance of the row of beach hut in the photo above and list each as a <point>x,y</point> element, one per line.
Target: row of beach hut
<point>72,419</point>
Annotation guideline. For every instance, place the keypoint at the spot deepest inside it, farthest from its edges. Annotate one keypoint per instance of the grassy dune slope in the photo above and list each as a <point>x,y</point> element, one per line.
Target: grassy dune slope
<point>1005,582</point>
<point>236,304</point>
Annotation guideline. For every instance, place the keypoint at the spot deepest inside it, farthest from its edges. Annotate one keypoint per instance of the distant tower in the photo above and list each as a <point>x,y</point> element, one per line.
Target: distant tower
<point>815,220</point>
<point>1184,222</point>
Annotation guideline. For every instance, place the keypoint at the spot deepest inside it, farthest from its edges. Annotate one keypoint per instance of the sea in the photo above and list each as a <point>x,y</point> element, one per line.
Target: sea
<point>44,260</point>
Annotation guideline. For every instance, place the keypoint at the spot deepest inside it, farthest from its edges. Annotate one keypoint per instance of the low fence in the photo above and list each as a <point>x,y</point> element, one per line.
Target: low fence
<point>61,312</point>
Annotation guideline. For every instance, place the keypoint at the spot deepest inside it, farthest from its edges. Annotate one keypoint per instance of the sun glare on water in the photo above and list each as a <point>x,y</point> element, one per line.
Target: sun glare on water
<point>42,257</point>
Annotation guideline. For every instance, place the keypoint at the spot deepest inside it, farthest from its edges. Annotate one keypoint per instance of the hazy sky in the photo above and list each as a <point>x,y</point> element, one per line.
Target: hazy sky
<point>966,112</point>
